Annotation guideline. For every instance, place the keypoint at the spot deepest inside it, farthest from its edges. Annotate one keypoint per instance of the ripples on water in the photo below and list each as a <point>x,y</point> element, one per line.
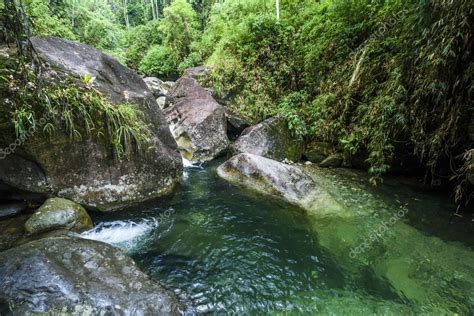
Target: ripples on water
<point>228,250</point>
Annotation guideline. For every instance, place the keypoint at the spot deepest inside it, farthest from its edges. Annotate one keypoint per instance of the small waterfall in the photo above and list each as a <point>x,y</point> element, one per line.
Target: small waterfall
<point>187,164</point>
<point>127,235</point>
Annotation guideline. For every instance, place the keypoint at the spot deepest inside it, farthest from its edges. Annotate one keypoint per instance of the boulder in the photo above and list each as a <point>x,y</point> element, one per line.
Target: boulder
<point>317,151</point>
<point>57,213</point>
<point>156,86</point>
<point>63,275</point>
<point>168,85</point>
<point>161,101</point>
<point>12,229</point>
<point>86,170</point>
<point>196,120</point>
<point>287,182</point>
<point>271,139</point>
<point>236,123</point>
<point>333,161</point>
<point>12,209</point>
<point>197,72</point>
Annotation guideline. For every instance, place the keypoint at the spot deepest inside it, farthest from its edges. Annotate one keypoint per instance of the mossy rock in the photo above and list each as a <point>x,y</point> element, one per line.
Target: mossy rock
<point>333,161</point>
<point>58,213</point>
<point>270,139</point>
<point>317,151</point>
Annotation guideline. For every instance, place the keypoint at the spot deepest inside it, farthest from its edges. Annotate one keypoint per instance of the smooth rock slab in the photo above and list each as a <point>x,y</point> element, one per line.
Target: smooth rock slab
<point>280,180</point>
<point>58,213</point>
<point>271,139</point>
<point>79,277</point>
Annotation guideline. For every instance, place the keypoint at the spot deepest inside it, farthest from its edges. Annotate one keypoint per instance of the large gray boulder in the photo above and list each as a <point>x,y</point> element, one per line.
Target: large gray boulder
<point>271,139</point>
<point>63,275</point>
<point>86,170</point>
<point>197,121</point>
<point>58,213</point>
<point>287,182</point>
<point>156,86</point>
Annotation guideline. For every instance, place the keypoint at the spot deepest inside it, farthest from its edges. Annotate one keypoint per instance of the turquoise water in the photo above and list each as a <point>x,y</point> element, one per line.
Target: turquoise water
<point>226,250</point>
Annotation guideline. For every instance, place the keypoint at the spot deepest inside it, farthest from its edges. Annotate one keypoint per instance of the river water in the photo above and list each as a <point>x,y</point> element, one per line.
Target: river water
<point>226,250</point>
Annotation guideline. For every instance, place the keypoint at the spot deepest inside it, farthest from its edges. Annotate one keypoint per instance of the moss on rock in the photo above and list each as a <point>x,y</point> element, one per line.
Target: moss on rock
<point>58,213</point>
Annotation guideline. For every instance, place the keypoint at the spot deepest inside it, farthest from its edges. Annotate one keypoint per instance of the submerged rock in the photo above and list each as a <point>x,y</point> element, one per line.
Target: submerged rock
<point>156,86</point>
<point>86,170</point>
<point>284,181</point>
<point>57,213</point>
<point>197,121</point>
<point>271,139</point>
<point>417,266</point>
<point>11,209</point>
<point>80,277</point>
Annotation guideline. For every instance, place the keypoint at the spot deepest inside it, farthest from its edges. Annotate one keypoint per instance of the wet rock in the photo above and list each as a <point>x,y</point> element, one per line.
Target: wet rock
<point>156,86</point>
<point>236,123</point>
<point>11,230</point>
<point>271,139</point>
<point>197,121</point>
<point>11,209</point>
<point>77,276</point>
<point>86,171</point>
<point>316,152</point>
<point>287,182</point>
<point>333,161</point>
<point>57,213</point>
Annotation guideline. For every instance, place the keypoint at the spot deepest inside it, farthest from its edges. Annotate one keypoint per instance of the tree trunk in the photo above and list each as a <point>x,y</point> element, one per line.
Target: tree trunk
<point>278,9</point>
<point>125,13</point>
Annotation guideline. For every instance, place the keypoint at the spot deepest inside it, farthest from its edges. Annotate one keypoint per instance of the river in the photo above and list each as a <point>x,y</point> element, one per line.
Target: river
<point>224,249</point>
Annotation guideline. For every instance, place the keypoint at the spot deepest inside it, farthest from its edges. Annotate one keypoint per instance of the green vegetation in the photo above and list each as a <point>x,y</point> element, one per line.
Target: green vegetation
<point>75,108</point>
<point>381,79</point>
<point>179,29</point>
<point>384,78</point>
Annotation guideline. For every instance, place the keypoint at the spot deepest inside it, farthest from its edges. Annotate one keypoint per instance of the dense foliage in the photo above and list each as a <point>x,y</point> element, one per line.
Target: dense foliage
<point>380,79</point>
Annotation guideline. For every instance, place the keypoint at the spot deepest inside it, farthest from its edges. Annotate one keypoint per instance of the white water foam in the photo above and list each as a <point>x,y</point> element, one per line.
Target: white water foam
<point>127,235</point>
<point>187,164</point>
